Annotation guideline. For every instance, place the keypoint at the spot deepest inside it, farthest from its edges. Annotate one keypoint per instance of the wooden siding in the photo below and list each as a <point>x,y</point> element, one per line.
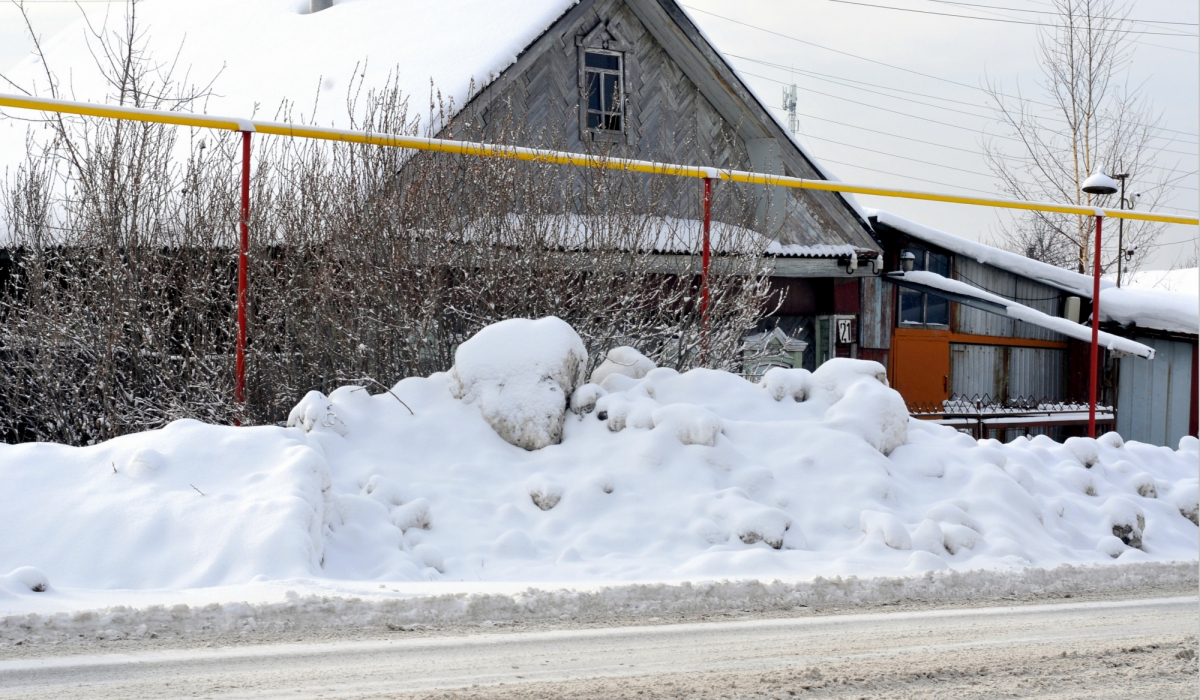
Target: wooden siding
<point>974,321</point>
<point>668,116</point>
<point>878,313</point>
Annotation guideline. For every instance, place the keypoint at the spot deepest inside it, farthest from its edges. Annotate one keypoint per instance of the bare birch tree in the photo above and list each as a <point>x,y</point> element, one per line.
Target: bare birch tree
<point>1085,115</point>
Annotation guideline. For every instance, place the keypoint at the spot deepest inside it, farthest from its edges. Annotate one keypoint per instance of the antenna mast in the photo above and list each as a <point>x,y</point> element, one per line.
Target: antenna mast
<point>789,105</point>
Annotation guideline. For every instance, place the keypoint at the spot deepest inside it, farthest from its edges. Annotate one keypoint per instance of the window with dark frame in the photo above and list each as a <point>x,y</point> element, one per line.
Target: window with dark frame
<point>603,90</point>
<point>918,308</point>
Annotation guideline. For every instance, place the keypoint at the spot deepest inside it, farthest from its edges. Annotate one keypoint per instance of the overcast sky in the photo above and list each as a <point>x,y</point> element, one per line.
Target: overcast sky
<point>891,96</point>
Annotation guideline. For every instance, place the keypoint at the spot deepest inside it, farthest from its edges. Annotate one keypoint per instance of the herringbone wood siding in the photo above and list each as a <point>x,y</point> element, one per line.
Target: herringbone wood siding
<point>668,118</point>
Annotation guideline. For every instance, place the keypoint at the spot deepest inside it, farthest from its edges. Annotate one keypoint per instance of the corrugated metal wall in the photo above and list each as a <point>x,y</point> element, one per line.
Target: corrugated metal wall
<point>976,370</point>
<point>1154,396</point>
<point>878,307</point>
<point>1032,294</point>
<point>1006,373</point>
<point>1037,373</point>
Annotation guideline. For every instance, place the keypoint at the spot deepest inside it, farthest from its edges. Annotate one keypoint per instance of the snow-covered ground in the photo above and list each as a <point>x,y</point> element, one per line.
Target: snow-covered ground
<point>650,476</point>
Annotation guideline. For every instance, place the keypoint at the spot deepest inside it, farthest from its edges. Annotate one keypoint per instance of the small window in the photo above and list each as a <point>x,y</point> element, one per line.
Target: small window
<point>603,91</point>
<point>917,308</point>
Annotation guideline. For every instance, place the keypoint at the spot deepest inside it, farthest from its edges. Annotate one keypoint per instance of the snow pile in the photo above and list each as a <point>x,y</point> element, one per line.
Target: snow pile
<point>521,373</point>
<point>787,383</point>
<point>666,476</point>
<point>186,506</point>
<point>624,361</point>
<point>24,580</point>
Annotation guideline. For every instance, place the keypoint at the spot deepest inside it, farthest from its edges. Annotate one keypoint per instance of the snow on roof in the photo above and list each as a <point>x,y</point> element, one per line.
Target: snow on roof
<point>1182,280</point>
<point>1159,310</point>
<point>813,251</point>
<point>1028,315</point>
<point>659,234</point>
<point>1066,280</point>
<point>1147,308</point>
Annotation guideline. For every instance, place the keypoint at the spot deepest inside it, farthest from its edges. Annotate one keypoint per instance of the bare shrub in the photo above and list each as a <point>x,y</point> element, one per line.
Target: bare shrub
<point>367,264</point>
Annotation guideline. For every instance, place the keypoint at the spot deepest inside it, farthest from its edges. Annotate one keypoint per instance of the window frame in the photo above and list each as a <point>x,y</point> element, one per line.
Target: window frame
<point>622,112</point>
<point>923,265</point>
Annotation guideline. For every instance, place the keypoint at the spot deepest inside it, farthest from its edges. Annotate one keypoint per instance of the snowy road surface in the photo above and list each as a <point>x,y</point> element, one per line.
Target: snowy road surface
<point>1143,648</point>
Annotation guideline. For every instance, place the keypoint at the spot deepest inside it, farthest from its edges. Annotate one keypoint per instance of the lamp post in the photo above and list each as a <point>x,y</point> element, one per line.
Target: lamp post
<point>1098,183</point>
<point>1121,226</point>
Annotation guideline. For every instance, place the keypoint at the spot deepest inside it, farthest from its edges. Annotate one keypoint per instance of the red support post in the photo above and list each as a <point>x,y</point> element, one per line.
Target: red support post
<point>705,257</point>
<point>1095,332</point>
<point>239,390</point>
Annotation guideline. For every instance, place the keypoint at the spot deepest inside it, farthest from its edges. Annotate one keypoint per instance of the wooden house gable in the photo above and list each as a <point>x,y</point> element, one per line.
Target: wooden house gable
<point>682,103</point>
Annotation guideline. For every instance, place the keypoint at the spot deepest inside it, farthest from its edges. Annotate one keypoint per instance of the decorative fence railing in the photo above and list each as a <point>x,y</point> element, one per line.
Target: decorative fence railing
<point>981,415</point>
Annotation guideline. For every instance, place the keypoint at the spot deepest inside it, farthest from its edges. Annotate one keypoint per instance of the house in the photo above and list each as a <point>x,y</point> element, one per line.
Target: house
<point>638,78</point>
<point>958,346</point>
<point>1156,401</point>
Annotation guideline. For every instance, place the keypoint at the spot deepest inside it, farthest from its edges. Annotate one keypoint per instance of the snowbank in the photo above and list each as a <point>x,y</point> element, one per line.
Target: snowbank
<point>187,506</point>
<point>298,605</point>
<point>669,476</point>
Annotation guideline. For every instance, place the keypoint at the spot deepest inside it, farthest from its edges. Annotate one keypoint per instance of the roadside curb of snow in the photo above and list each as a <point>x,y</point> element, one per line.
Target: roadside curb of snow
<point>621,601</point>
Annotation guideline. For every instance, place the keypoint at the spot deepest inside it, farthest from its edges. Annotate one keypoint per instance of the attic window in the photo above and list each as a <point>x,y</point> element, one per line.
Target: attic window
<point>603,90</point>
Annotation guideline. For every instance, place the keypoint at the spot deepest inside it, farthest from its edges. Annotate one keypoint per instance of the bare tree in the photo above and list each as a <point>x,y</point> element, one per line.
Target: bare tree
<point>368,264</point>
<point>1085,115</point>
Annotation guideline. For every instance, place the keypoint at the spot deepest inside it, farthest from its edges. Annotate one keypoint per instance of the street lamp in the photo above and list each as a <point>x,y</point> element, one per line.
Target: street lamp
<point>1098,183</point>
<point>1121,226</point>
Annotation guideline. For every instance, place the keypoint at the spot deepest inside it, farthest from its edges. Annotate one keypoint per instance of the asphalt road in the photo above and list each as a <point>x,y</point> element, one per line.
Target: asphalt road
<point>1118,648</point>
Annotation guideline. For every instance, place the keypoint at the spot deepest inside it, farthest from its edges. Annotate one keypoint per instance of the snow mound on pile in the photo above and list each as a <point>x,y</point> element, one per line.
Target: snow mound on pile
<point>624,361</point>
<point>520,373</point>
<point>25,579</point>
<point>668,476</point>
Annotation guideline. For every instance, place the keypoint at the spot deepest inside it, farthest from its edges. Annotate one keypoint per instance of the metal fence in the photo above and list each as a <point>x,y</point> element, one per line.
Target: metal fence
<point>981,416</point>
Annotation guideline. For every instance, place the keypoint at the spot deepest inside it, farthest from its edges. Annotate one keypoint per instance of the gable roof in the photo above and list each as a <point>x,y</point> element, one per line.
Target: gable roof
<point>828,217</point>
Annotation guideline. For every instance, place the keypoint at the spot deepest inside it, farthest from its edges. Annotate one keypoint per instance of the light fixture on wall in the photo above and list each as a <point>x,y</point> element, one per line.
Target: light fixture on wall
<point>907,261</point>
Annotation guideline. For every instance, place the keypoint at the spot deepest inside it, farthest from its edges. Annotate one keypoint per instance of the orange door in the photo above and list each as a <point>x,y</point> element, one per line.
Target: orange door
<point>921,365</point>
